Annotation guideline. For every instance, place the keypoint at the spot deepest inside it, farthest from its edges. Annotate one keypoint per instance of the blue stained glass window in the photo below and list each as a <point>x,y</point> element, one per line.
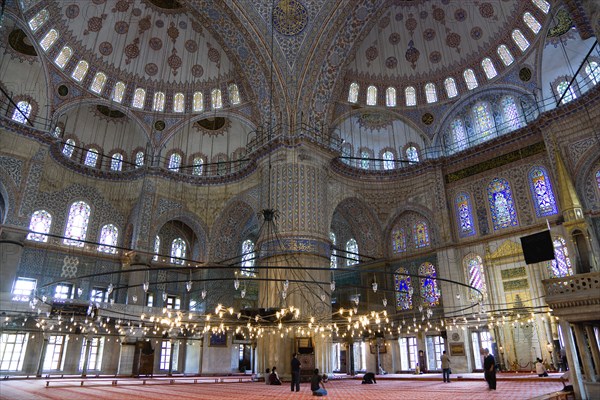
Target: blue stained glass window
<point>174,162</point>
<point>352,252</point>
<point>598,178</point>
<point>429,288</point>
<point>510,113</point>
<point>248,258</point>
<point>77,224</point>
<point>465,215</point>
<point>333,260</point>
<point>592,70</point>
<point>116,162</point>
<point>68,148</point>
<point>421,234</point>
<point>483,119</point>
<point>178,251</point>
<point>40,223</point>
<point>474,266</point>
<point>561,265</point>
<point>459,135</point>
<point>502,206</point>
<point>365,162</point>
<point>564,88</point>
<point>22,112</point>
<point>139,159</point>
<point>404,289</point>
<point>388,160</point>
<point>91,157</point>
<point>398,241</point>
<point>412,154</point>
<point>541,191</point>
<point>109,234</point>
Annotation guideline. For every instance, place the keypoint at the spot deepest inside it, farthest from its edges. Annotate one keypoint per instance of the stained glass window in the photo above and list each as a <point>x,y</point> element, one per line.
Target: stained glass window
<point>118,92</point>
<point>541,191</point>
<point>179,102</point>
<point>159,101</point>
<point>216,99</point>
<point>411,96</point>
<point>564,88</point>
<point>198,102</point>
<point>139,96</point>
<point>57,131</point>
<point>80,70</point>
<point>371,95</point>
<point>38,20</point>
<point>592,70</point>
<point>505,55</point>
<point>488,68</point>
<point>352,252</point>
<point>404,289</point>
<point>388,160</point>
<point>429,287</point>
<point>470,79</point>
<point>98,82</point>
<point>421,234</point>
<point>40,223</point>
<point>390,97</point>
<point>465,215</point>
<point>430,93</point>
<point>561,265</point>
<point>398,241</point>
<point>234,94</point>
<point>365,159</point>
<point>91,157</point>
<point>109,234</point>
<point>353,93</point>
<point>474,267</point>
<point>178,251</point>
<point>156,248</point>
<point>333,260</point>
<point>68,148</point>
<point>412,154</point>
<point>484,122</point>
<point>248,258</point>
<point>63,57</point>
<point>598,178</point>
<point>77,224</point>
<point>198,166</point>
<point>504,214</point>
<point>174,162</point>
<point>531,22</point>
<point>459,135</point>
<point>520,39</point>
<point>116,162</point>
<point>510,113</point>
<point>21,112</point>
<point>450,85</point>
<point>542,5</point>
<point>139,159</point>
<point>49,39</point>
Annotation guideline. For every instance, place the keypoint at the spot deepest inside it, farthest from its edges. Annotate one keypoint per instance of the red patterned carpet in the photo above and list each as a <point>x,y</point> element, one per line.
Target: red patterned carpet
<point>516,389</point>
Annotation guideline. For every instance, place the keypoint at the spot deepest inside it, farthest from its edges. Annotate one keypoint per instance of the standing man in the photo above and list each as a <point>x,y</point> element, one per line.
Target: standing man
<point>489,366</point>
<point>445,367</point>
<point>295,372</point>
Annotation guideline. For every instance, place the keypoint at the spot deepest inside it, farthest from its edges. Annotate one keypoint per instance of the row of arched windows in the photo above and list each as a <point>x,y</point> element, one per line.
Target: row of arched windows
<point>92,155</point>
<point>387,159</point>
<point>563,87</point>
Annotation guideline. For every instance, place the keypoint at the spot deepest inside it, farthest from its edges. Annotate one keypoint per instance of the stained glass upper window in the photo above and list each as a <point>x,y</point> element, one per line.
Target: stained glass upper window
<point>178,248</point>
<point>421,234</point>
<point>21,112</point>
<point>390,97</point>
<point>80,70</point>
<point>510,113</point>
<point>139,96</point>
<point>430,93</point>
<point>109,234</point>
<point>116,162</point>
<point>216,99</point>
<point>352,252</point>
<point>63,57</point>
<point>488,68</point>
<point>38,20</point>
<point>174,162</point>
<point>198,102</point>
<point>353,93</point>
<point>198,167</point>
<point>504,214</point>
<point>564,88</point>
<point>505,55</point>
<point>474,267</point>
<point>156,248</point>
<point>411,96</point>
<point>520,39</point>
<point>333,260</point>
<point>459,135</point>
<point>464,215</point>
<point>91,157</point>
<point>404,289</point>
<point>40,223</point>
<point>541,191</point>
<point>470,79</point>
<point>450,85</point>
<point>592,70</point>
<point>412,154</point>
<point>68,148</point>
<point>398,241</point>
<point>118,92</point>
<point>371,95</point>
<point>365,161</point>
<point>179,102</point>
<point>77,224</point>
<point>561,265</point>
<point>49,39</point>
<point>484,121</point>
<point>598,178</point>
<point>248,257</point>
<point>388,160</point>
<point>98,82</point>
<point>542,5</point>
<point>430,292</point>
<point>139,159</point>
<point>234,94</point>
<point>531,22</point>
<point>159,101</point>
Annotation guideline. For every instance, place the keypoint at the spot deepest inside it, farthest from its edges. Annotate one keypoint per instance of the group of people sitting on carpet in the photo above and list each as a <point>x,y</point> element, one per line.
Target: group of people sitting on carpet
<point>316,382</point>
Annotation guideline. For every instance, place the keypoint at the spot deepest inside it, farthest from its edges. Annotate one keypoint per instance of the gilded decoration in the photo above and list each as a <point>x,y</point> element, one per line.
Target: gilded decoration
<point>519,284</point>
<point>290,17</point>
<point>563,25</point>
<point>507,249</point>
<point>513,273</point>
<point>375,121</point>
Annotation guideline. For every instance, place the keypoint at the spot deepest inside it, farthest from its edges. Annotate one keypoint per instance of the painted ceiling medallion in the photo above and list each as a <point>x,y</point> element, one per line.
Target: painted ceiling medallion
<point>290,17</point>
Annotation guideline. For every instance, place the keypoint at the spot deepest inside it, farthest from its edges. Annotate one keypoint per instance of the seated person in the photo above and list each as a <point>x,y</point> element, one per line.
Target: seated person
<point>274,377</point>
<point>325,378</point>
<point>316,384</point>
<point>369,379</point>
<point>540,369</point>
<point>267,376</point>
<point>567,377</point>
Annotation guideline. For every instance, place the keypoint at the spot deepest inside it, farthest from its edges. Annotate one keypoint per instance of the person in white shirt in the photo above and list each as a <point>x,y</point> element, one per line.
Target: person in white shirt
<point>540,369</point>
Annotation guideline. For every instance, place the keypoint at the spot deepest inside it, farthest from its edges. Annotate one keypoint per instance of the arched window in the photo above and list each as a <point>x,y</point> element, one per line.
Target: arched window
<point>598,178</point>
<point>118,92</point>
<point>388,160</point>
<point>429,287</point>
<point>77,224</point>
<point>156,248</point>
<point>430,93</point>
<point>411,96</point>
<point>63,57</point>
<point>159,101</point>
<point>450,85</point>
<point>353,93</point>
<point>510,113</point>
<point>484,122</point>
<point>174,162</point>
<point>198,167</point>
<point>248,256</point>
<point>116,162</point>
<point>470,79</point>
<point>412,154</point>
<point>592,70</point>
<point>404,289</point>
<point>488,68</point>
<point>564,88</point>
<point>474,267</point>
<point>98,82</point>
<point>49,39</point>
<point>179,102</point>
<point>371,95</point>
<point>390,97</point>
<point>21,112</point>
<point>352,252</point>
<point>520,39</point>
<point>38,20</point>
<point>80,70</point>
<point>40,223</point>
<point>139,159</point>
<point>504,214</point>
<point>68,148</point>
<point>333,260</point>
<point>505,55</point>
<point>561,265</point>
<point>459,135</point>
<point>365,161</point>
<point>398,241</point>
<point>421,234</point>
<point>198,102</point>
<point>139,96</point>
<point>216,99</point>
<point>109,234</point>
<point>178,248</point>
<point>542,5</point>
<point>57,131</point>
<point>91,157</point>
<point>541,191</point>
<point>234,94</point>
<point>464,215</point>
<point>531,22</point>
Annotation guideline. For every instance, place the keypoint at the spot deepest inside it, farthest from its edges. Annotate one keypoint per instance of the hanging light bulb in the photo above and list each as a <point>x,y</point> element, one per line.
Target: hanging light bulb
<point>384,301</point>
<point>374,286</point>
<point>323,297</point>
<point>188,285</point>
<point>145,286</point>
<point>110,288</point>
<point>243,293</point>
<point>286,285</point>
<point>236,283</point>
<point>79,292</point>
<point>457,296</point>
<point>284,294</point>
<point>203,294</point>
<point>332,285</point>
<point>164,296</point>
<point>134,299</point>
